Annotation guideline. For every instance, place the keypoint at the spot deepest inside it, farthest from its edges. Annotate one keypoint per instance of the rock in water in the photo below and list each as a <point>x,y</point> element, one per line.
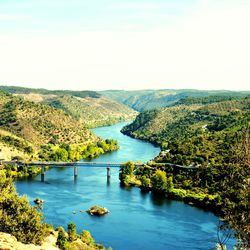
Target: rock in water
<point>38,201</point>
<point>95,210</point>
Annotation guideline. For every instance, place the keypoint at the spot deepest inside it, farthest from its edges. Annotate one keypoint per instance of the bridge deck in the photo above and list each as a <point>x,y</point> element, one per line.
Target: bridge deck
<point>67,164</point>
<point>92,164</point>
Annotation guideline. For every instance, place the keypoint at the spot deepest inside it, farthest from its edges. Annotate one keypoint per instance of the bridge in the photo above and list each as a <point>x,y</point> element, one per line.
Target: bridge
<point>75,165</point>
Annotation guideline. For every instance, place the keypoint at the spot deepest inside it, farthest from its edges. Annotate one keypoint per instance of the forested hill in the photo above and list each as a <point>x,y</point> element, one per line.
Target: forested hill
<point>194,130</point>
<point>142,100</point>
<point>88,107</point>
<point>212,134</point>
<point>34,130</point>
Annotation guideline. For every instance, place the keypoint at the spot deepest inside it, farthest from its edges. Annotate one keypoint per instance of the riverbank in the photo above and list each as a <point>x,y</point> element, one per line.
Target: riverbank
<point>154,179</point>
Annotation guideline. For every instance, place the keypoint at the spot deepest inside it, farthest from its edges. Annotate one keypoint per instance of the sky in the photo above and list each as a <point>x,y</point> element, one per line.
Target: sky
<point>125,44</point>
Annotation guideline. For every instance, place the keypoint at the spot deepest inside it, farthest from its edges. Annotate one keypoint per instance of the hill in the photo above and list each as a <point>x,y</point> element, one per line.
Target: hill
<point>194,129</point>
<point>23,90</point>
<point>88,107</point>
<point>209,137</point>
<point>40,131</point>
<point>142,100</point>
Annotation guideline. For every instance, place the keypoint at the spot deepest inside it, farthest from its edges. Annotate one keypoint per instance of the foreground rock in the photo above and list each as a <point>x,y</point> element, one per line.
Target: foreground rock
<point>95,210</point>
<point>9,242</point>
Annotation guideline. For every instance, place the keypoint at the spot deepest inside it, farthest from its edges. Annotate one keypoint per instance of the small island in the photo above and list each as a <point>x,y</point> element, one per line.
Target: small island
<point>95,210</point>
<point>38,201</point>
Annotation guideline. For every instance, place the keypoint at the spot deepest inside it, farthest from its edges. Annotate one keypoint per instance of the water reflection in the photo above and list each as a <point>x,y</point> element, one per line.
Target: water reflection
<point>108,181</point>
<point>157,199</point>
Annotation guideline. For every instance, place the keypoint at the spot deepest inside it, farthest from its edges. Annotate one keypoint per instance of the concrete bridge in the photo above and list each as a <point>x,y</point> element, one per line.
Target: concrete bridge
<point>75,166</point>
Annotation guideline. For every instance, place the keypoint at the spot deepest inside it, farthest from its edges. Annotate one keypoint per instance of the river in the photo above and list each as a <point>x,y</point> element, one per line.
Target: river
<point>136,220</point>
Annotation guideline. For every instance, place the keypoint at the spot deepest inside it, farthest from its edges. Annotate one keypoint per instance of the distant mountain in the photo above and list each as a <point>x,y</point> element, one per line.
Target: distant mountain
<point>23,90</point>
<point>141,100</point>
<point>88,107</point>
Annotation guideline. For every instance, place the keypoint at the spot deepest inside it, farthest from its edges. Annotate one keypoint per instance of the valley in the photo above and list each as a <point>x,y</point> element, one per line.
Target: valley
<point>207,135</point>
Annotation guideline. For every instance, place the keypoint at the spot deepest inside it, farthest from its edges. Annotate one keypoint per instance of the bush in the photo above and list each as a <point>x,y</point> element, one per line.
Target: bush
<point>127,168</point>
<point>17,216</point>
<point>145,182</point>
<point>159,181</point>
<point>72,232</point>
<point>62,240</point>
<point>87,238</point>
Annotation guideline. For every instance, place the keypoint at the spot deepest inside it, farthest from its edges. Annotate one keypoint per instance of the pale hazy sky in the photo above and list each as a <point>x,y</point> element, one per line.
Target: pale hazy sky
<point>125,44</point>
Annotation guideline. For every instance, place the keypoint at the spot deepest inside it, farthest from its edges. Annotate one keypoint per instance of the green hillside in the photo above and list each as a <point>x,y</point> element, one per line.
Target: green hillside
<point>194,130</point>
<point>210,134</point>
<point>93,111</point>
<point>88,107</point>
<point>43,132</point>
<point>142,100</point>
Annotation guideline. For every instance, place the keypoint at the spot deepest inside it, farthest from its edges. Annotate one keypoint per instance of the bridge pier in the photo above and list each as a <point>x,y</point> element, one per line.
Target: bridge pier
<point>75,172</point>
<point>108,173</point>
<point>42,174</point>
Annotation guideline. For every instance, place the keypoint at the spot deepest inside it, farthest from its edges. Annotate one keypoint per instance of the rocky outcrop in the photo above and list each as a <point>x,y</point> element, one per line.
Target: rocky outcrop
<point>9,242</point>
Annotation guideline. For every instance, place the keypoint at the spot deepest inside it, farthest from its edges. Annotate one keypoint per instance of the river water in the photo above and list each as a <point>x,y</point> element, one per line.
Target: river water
<point>136,220</point>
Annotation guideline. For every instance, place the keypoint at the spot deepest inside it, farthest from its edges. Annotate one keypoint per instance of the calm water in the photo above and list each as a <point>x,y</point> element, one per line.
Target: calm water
<point>136,220</point>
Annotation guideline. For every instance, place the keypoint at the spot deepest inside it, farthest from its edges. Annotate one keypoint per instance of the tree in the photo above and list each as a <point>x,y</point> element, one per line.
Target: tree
<point>169,184</point>
<point>72,232</point>
<point>159,181</point>
<point>145,183</point>
<point>62,240</point>
<point>17,216</point>
<point>127,168</point>
<point>86,237</point>
<point>62,154</point>
<point>237,195</point>
<point>126,171</point>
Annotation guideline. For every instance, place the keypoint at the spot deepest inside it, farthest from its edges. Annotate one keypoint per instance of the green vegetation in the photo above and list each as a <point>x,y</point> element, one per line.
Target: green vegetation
<point>71,232</point>
<point>24,222</point>
<point>142,100</point>
<point>62,241</point>
<point>76,152</point>
<point>127,176</point>
<point>197,133</point>
<point>17,172</point>
<point>18,90</point>
<point>40,124</point>
<point>72,241</point>
<point>17,217</point>
<point>93,112</point>
<point>86,237</point>
<point>211,134</point>
<point>35,131</point>
<point>87,107</point>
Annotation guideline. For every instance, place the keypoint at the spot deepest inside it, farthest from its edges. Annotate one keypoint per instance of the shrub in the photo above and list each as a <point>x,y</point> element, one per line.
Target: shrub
<point>87,238</point>
<point>17,216</point>
<point>62,240</point>
<point>72,232</point>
